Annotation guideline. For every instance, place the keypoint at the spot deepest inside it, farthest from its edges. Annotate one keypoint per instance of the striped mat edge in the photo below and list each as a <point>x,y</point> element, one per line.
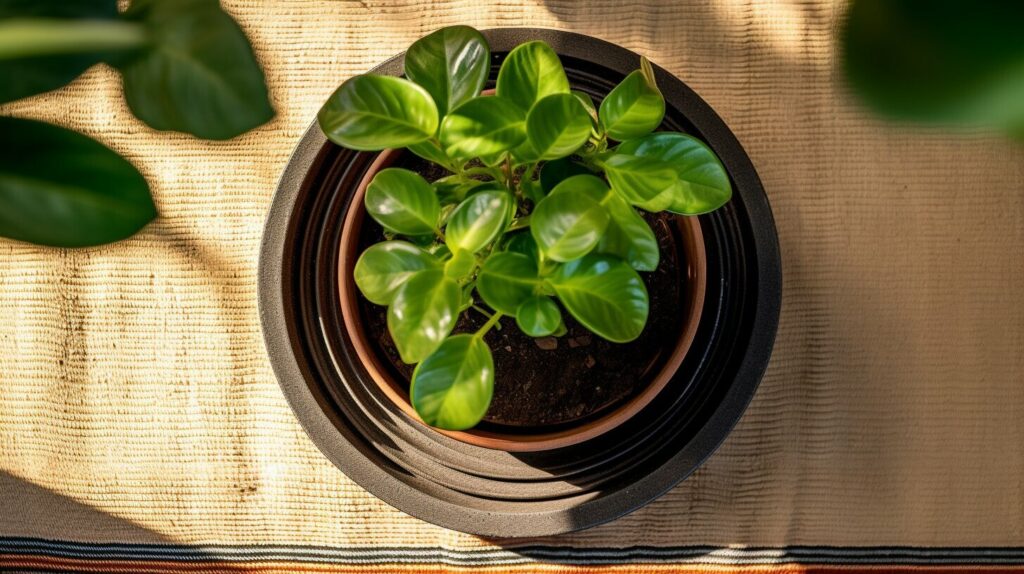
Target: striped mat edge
<point>39,555</point>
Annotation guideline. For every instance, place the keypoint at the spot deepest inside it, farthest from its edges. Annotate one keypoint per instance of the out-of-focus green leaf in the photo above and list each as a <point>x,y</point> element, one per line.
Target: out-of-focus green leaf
<point>940,62</point>
<point>47,44</point>
<point>199,74</point>
<point>63,189</point>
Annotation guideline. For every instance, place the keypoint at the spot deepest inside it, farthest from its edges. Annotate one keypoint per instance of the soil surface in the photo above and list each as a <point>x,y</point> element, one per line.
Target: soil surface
<point>552,382</point>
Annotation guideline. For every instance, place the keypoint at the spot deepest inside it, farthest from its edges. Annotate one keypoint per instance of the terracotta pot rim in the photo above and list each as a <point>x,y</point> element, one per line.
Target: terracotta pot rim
<point>696,273</point>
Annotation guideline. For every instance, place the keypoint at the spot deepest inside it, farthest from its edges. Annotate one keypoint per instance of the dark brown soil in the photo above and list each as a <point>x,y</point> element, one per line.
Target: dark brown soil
<point>552,382</point>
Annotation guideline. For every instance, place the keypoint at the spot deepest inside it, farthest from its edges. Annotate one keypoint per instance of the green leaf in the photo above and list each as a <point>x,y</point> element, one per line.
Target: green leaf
<point>634,108</point>
<point>557,125</point>
<point>423,313</point>
<point>588,104</point>
<point>371,113</point>
<point>530,72</point>
<point>586,183</point>
<point>645,182</point>
<point>483,126</point>
<point>431,152</point>
<point>199,76</point>
<point>556,171</point>
<point>523,242</point>
<point>462,264</point>
<point>604,294</point>
<point>947,62</point>
<point>569,222</point>
<point>538,316</point>
<point>451,63</point>
<point>452,388</point>
<point>703,184</point>
<point>82,29</point>
<point>478,220</point>
<point>629,237</point>
<point>506,280</point>
<point>63,189</point>
<point>403,202</point>
<point>385,266</point>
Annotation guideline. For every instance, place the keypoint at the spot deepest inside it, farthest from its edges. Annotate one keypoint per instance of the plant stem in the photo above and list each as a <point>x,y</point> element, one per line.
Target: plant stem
<point>519,223</point>
<point>487,326</point>
<point>486,313</point>
<point>439,235</point>
<point>26,37</point>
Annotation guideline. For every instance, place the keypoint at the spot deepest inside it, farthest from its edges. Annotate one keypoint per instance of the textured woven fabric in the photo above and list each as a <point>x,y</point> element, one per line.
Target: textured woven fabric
<point>137,404</point>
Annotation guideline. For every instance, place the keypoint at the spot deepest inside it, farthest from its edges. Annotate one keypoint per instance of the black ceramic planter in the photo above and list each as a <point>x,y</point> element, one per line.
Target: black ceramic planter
<point>495,493</point>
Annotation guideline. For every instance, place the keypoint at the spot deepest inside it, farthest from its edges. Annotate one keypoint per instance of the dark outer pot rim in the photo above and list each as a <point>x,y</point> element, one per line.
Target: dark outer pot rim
<point>696,272</point>
<point>273,297</point>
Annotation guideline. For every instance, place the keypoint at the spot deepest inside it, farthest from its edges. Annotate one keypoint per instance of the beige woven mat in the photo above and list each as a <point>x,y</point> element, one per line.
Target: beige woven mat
<point>137,403</point>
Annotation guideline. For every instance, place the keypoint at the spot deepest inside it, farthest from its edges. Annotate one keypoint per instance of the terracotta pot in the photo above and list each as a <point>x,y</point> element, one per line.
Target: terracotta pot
<point>395,390</point>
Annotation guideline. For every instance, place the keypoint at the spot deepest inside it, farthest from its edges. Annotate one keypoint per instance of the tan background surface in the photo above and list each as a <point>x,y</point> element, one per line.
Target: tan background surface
<point>133,379</point>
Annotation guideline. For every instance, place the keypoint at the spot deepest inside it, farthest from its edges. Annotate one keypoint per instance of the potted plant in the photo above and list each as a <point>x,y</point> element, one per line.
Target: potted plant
<point>580,429</point>
<point>535,211</point>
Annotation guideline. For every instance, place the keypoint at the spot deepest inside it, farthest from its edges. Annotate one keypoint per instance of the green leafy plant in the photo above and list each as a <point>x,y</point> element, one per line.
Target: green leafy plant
<point>537,216</point>
<point>186,67</point>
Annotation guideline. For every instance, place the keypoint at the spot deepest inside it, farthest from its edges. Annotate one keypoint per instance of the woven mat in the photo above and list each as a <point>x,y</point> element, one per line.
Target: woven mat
<point>137,404</point>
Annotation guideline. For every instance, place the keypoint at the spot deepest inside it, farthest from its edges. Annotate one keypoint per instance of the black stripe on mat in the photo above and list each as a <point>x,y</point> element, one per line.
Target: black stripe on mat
<point>887,555</point>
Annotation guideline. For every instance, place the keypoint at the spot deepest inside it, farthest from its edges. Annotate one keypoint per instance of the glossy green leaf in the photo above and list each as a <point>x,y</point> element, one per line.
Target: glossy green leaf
<point>538,316</point>
<point>385,266</point>
<point>629,237</point>
<point>452,388</point>
<point>703,184</point>
<point>569,222</point>
<point>633,108</point>
<point>432,152</point>
<point>403,202</point>
<point>530,72</point>
<point>45,45</point>
<point>557,125</point>
<point>588,104</point>
<point>483,126</point>
<point>523,242</point>
<point>199,75</point>
<point>507,279</point>
<point>945,62</point>
<point>586,183</point>
<point>372,113</point>
<point>451,63</point>
<point>64,189</point>
<point>478,220</point>
<point>461,264</point>
<point>645,182</point>
<point>604,294</point>
<point>423,313</point>
<point>556,171</point>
